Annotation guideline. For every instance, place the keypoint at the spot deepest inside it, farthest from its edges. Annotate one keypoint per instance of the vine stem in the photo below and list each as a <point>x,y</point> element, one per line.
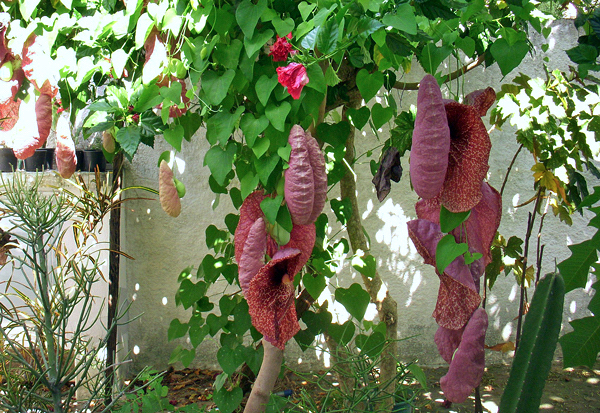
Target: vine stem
<point>530,222</point>
<point>512,162</point>
<point>265,381</point>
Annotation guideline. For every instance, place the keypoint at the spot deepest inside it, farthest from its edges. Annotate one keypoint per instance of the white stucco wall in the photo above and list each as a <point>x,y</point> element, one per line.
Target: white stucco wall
<point>163,246</point>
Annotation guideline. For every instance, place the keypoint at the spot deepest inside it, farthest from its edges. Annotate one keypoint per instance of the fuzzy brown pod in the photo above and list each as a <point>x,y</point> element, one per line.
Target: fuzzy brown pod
<point>305,179</point>
<point>66,158</point>
<point>430,140</point>
<point>169,198</point>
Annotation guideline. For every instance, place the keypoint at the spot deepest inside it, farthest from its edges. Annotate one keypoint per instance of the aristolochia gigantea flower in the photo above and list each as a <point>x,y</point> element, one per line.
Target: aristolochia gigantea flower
<point>281,49</point>
<point>293,77</point>
<point>169,198</point>
<point>66,159</point>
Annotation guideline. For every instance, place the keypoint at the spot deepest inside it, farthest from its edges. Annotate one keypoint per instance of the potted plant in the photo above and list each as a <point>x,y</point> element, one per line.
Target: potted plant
<point>93,157</point>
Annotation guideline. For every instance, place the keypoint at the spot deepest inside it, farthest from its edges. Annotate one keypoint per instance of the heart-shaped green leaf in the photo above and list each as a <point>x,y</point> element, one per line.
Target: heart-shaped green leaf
<point>277,115</point>
<point>265,166</point>
<point>220,161</point>
<point>248,14</point>
<point>176,329</point>
<point>447,251</point>
<point>334,134</point>
<point>365,265</point>
<point>172,93</point>
<point>215,85</point>
<point>359,117</point>
<point>284,218</point>
<point>248,184</point>
<point>264,87</point>
<point>285,152</point>
<point>371,345</point>
<point>228,401</point>
<point>327,36</point>
<point>230,359</point>
<point>432,56</point>
<point>314,283</point>
<point>450,220</point>
<point>283,27</point>
<point>381,115</point>
<point>369,83</point>
<point>509,56</point>
<point>467,45</point>
<point>306,9</point>
<point>404,19</point>
<point>252,127</point>
<point>253,44</point>
<point>253,358</point>
<point>270,207</point>
<point>219,127</point>
<point>355,299</point>
<point>174,136</point>
<point>261,146</point>
<point>342,334</point>
<point>317,78</point>
<point>188,292</point>
<point>317,322</point>
<point>228,55</point>
<point>198,333</point>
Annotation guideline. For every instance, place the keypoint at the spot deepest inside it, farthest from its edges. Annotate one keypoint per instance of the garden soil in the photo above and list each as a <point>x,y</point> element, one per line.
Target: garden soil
<point>566,391</point>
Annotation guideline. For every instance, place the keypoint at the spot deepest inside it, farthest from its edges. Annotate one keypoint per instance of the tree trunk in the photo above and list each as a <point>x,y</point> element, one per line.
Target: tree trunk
<point>387,308</point>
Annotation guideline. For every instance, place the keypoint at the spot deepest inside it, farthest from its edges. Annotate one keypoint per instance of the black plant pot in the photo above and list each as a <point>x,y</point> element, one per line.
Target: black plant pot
<point>8,160</point>
<point>93,159</point>
<point>50,159</point>
<point>80,159</point>
<point>37,161</point>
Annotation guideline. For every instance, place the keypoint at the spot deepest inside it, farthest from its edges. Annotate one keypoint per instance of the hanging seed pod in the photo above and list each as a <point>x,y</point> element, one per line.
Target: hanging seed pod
<point>169,198</point>
<point>66,158</point>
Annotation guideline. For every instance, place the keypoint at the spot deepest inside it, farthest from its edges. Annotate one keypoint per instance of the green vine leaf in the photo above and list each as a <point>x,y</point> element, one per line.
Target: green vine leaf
<point>355,299</point>
<point>220,161</point>
<point>576,268</point>
<point>248,14</point>
<point>447,251</point>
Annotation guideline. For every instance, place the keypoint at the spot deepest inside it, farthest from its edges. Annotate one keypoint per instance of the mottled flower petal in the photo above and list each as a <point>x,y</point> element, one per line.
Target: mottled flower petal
<point>389,170</point>
<point>293,77</point>
<point>253,254</point>
<point>169,198</point>
<point>270,298</point>
<point>468,159</point>
<point>457,297</point>
<point>302,238</point>
<point>447,342</point>
<point>468,364</point>
<point>66,158</point>
<point>481,99</point>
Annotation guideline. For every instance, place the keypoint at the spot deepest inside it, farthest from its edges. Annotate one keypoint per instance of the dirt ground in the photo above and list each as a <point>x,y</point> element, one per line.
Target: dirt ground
<point>566,390</point>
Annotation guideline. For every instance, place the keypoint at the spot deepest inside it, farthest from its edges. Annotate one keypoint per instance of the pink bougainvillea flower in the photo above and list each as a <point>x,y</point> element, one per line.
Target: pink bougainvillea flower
<point>468,160</point>
<point>468,363</point>
<point>481,99</point>
<point>306,178</point>
<point>457,297</point>
<point>167,192</point>
<point>293,77</point>
<point>253,254</point>
<point>281,49</point>
<point>66,158</point>
<point>271,298</point>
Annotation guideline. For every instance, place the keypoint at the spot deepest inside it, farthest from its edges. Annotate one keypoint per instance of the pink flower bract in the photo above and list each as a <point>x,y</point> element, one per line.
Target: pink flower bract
<point>293,77</point>
<point>271,298</point>
<point>253,254</point>
<point>457,297</point>
<point>467,365</point>
<point>66,158</point>
<point>281,49</point>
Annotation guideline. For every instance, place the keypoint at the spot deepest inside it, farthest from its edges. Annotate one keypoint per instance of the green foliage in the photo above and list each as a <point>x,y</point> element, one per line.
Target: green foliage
<point>534,355</point>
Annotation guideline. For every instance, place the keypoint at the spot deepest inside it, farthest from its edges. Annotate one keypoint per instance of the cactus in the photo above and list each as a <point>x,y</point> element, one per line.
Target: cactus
<point>535,352</point>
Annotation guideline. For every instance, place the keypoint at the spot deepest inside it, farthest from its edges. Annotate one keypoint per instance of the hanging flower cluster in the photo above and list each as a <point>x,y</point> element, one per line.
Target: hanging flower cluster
<point>268,287</point>
<point>449,160</point>
<point>293,76</point>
